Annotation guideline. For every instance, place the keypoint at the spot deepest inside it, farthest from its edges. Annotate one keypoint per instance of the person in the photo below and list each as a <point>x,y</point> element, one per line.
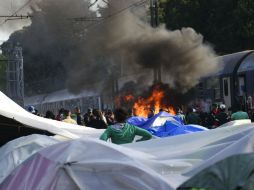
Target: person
<point>97,120</point>
<point>68,118</point>
<point>252,116</point>
<point>150,113</point>
<point>192,117</point>
<point>88,116</point>
<point>238,114</point>
<point>122,132</point>
<point>222,117</point>
<point>60,115</point>
<point>180,115</point>
<point>31,109</point>
<point>78,116</point>
<point>49,115</point>
<point>110,117</point>
<point>215,109</point>
<point>210,120</point>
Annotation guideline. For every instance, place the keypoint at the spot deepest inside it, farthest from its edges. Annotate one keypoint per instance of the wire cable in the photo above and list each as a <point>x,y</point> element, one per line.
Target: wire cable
<point>110,16</point>
<point>15,12</point>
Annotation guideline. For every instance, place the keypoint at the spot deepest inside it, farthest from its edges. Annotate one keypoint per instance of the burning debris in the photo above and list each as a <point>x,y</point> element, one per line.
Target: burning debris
<point>155,101</point>
<point>158,96</point>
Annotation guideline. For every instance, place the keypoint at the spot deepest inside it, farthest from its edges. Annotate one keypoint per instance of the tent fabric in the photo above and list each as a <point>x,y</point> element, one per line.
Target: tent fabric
<point>234,172</point>
<point>87,164</point>
<point>164,124</point>
<point>15,152</point>
<point>163,163</point>
<point>191,153</point>
<point>10,109</point>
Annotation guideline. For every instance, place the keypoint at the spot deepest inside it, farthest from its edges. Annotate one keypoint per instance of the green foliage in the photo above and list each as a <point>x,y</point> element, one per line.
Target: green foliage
<point>227,24</point>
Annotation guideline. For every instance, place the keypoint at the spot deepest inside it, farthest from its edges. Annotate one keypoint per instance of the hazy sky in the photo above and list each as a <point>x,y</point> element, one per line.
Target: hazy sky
<point>8,7</point>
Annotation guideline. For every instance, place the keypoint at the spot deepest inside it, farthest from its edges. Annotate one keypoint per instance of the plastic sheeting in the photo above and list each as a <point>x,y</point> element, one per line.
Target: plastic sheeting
<point>164,124</point>
<point>10,109</point>
<point>163,163</point>
<point>15,152</point>
<point>189,154</point>
<point>87,164</point>
<point>235,172</point>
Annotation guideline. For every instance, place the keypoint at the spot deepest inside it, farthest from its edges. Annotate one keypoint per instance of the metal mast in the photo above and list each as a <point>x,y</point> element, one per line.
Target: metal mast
<point>14,72</point>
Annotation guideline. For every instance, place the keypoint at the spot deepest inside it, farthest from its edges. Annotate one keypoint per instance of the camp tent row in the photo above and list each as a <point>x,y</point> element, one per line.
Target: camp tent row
<point>43,162</point>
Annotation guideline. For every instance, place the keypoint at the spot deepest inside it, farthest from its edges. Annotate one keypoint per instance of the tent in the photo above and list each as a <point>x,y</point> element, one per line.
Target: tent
<point>189,154</point>
<point>164,124</point>
<point>162,163</point>
<point>234,172</point>
<point>15,152</point>
<point>16,122</point>
<point>87,164</point>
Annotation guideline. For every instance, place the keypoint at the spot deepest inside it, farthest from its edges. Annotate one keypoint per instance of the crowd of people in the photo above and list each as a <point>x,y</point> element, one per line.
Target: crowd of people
<point>120,132</point>
<point>117,129</point>
<point>217,116</point>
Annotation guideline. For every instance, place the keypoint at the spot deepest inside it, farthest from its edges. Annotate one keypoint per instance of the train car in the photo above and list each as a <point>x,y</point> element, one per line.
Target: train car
<point>234,83</point>
<point>64,99</point>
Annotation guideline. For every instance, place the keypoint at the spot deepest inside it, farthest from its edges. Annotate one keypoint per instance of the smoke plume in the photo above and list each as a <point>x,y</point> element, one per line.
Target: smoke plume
<point>93,54</point>
<point>181,55</point>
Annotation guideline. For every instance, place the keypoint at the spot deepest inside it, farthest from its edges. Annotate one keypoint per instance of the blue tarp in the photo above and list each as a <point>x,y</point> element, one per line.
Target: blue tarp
<point>164,124</point>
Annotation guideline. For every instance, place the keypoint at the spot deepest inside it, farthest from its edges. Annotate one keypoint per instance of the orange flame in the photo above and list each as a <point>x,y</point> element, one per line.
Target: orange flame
<point>128,98</point>
<point>143,105</point>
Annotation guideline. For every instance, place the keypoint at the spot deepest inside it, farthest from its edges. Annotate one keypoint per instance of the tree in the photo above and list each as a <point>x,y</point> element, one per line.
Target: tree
<point>227,24</point>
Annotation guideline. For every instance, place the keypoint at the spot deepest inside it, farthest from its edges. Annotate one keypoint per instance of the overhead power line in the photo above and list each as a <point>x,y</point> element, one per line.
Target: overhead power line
<point>15,13</point>
<point>99,20</point>
<point>15,17</point>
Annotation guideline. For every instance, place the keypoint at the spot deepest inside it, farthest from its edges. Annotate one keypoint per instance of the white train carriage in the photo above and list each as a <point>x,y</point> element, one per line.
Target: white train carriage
<point>234,83</point>
<point>64,99</point>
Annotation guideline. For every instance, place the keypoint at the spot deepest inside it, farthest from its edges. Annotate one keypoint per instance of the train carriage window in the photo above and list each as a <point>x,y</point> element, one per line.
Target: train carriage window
<point>225,87</point>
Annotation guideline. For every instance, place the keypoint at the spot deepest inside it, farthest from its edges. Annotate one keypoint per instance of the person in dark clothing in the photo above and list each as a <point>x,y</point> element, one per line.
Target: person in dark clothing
<point>110,117</point>
<point>210,120</point>
<point>97,121</point>
<point>60,115</point>
<point>252,116</point>
<point>192,117</point>
<point>222,117</point>
<point>50,115</point>
<point>151,113</point>
<point>88,116</point>
<point>78,116</point>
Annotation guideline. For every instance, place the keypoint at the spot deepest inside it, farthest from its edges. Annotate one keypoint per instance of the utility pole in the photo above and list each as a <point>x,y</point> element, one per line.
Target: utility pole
<point>155,23</point>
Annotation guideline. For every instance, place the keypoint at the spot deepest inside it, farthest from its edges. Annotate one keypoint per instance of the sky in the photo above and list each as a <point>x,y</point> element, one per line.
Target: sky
<point>8,7</point>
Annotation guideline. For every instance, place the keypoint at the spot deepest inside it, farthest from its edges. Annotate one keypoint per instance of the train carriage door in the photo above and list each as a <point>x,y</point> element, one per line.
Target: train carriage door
<point>226,91</point>
<point>242,88</point>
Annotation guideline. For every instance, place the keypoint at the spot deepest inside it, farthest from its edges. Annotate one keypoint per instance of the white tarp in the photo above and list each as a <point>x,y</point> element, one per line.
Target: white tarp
<point>155,164</point>
<point>15,152</point>
<point>10,109</point>
<point>234,172</point>
<point>87,164</point>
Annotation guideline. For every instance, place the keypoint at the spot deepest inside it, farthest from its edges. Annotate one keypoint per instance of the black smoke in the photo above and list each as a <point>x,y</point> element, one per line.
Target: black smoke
<point>60,51</point>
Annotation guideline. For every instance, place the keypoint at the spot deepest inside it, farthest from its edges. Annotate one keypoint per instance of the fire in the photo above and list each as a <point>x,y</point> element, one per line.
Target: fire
<point>128,98</point>
<point>143,105</point>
